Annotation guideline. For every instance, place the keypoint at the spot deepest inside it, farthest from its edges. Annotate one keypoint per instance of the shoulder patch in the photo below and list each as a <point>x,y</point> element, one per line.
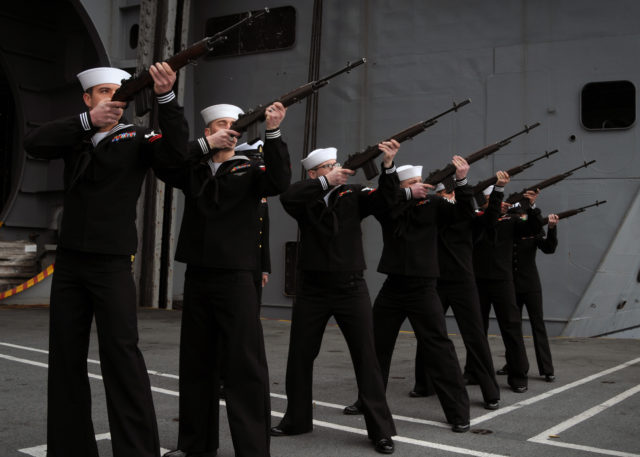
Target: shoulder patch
<point>152,136</point>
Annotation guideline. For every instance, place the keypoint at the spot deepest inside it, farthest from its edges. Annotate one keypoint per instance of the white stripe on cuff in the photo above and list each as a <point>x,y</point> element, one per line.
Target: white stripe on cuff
<point>462,182</point>
<point>84,120</point>
<point>498,189</point>
<point>166,98</point>
<point>272,135</point>
<point>204,145</point>
<point>390,170</point>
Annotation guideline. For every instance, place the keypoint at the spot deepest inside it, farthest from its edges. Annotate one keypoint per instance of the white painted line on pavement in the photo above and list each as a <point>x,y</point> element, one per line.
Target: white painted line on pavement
<point>95,362</point>
<point>551,393</point>
<point>344,428</point>
<point>396,417</point>
<point>544,437</point>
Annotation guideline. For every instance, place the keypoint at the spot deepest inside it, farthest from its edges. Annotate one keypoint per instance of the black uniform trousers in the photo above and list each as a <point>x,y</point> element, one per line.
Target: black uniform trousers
<point>502,295</point>
<point>85,285</point>
<point>344,296</point>
<point>416,298</point>
<point>533,302</point>
<point>221,328</point>
<point>462,297</point>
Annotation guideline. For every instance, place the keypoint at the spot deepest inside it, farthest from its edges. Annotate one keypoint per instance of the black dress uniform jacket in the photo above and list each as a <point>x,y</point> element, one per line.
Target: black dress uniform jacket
<point>330,234</point>
<point>103,181</point>
<point>525,271</point>
<point>225,206</point>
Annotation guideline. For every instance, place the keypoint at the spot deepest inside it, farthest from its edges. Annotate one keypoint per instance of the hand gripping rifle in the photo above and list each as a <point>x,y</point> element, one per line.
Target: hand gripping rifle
<point>519,196</point>
<point>573,212</point>
<point>250,119</point>
<point>365,159</point>
<point>482,185</point>
<point>137,87</point>
<point>437,176</point>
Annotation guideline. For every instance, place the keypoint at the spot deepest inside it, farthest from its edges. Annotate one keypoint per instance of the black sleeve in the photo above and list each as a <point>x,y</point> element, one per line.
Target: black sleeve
<point>179,177</point>
<point>56,138</point>
<point>463,209</point>
<point>300,194</point>
<point>169,149</point>
<point>381,200</point>
<point>549,243</point>
<point>277,175</point>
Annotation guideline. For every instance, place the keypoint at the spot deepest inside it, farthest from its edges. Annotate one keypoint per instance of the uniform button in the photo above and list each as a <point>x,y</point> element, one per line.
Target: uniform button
<point>261,219</point>
<point>260,246</point>
<point>260,232</point>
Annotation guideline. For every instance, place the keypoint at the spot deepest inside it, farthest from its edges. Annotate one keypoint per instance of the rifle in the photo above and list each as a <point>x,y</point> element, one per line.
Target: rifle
<point>482,185</point>
<point>573,212</point>
<point>252,117</point>
<point>134,87</point>
<point>437,176</point>
<point>519,196</point>
<point>365,159</point>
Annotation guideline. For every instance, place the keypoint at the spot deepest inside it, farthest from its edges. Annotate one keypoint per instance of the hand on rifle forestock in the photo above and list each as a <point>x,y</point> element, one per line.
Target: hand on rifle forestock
<point>531,196</point>
<point>106,113</point>
<point>389,149</point>
<point>462,167</point>
<point>223,139</point>
<point>274,115</point>
<point>419,190</point>
<point>503,178</point>
<point>163,77</point>
<point>553,220</point>
<point>338,176</point>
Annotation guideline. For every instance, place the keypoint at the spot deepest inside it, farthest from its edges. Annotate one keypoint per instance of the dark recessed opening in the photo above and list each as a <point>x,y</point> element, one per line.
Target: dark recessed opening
<point>269,32</point>
<point>133,36</point>
<point>608,105</point>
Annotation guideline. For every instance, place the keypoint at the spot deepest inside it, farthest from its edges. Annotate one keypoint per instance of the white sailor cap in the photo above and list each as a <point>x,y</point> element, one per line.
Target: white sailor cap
<point>213,112</point>
<point>439,187</point>
<point>317,156</point>
<point>409,171</point>
<point>487,191</point>
<point>101,75</point>
<point>249,147</point>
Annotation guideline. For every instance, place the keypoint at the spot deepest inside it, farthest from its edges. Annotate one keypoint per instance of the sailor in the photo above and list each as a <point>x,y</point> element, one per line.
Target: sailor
<point>221,327</point>
<point>457,289</point>
<point>329,212</point>
<point>492,258</point>
<point>410,261</point>
<point>106,160</point>
<point>529,291</point>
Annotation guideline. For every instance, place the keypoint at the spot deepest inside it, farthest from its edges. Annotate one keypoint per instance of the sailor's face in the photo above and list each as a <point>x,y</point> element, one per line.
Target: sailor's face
<point>99,93</point>
<point>222,123</point>
<point>408,182</point>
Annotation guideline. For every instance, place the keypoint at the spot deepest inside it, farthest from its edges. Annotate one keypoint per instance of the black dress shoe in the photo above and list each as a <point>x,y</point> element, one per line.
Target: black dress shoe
<point>519,389</point>
<point>352,410</point>
<point>460,428</point>
<point>549,378</point>
<point>492,405</point>
<point>280,431</point>
<point>384,446</point>
<point>419,394</point>
<point>175,453</point>
<point>502,371</point>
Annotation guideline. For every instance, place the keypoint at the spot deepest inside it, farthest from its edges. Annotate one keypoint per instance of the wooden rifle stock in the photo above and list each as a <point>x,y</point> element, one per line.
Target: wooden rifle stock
<point>257,114</point>
<point>132,87</point>
<point>482,185</point>
<point>437,176</point>
<point>573,212</point>
<point>519,196</point>
<point>365,159</point>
